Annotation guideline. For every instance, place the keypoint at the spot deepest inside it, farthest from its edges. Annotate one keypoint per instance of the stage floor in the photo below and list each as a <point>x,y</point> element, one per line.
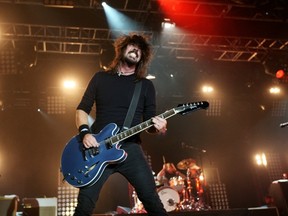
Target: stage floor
<point>229,212</point>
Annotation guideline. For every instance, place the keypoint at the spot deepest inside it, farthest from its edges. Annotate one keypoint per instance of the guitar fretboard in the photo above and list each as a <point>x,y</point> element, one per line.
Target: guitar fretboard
<point>140,127</point>
<point>184,109</point>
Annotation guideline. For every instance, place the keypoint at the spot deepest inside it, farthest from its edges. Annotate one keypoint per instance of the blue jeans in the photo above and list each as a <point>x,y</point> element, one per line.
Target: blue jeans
<point>139,174</point>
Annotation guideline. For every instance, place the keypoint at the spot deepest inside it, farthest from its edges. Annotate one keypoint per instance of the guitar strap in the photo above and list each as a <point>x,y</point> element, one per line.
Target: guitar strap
<point>132,107</point>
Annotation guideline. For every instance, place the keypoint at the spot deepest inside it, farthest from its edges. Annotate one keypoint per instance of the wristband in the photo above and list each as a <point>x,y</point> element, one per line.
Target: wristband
<point>83,130</point>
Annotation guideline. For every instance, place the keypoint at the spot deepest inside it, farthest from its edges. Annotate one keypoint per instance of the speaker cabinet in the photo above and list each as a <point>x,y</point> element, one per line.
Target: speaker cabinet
<point>40,206</point>
<point>8,205</point>
<point>279,191</point>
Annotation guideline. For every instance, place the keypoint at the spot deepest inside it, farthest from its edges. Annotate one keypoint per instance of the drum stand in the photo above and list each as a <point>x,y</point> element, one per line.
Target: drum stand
<point>138,206</point>
<point>188,200</point>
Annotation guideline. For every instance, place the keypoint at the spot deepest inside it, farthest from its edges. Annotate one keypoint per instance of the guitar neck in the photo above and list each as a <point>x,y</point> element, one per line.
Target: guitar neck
<point>138,128</point>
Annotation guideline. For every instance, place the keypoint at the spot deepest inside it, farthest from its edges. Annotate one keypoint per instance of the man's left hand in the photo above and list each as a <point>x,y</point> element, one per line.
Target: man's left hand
<point>160,124</point>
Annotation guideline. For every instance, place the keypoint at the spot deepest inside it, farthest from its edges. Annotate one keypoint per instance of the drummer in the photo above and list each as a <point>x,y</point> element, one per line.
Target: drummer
<point>167,172</point>
<point>194,171</point>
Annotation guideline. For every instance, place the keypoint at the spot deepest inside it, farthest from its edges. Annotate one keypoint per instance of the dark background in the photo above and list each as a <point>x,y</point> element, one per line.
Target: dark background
<point>31,142</point>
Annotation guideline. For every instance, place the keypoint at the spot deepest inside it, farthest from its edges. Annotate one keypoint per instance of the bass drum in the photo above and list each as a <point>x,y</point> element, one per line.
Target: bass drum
<point>169,197</point>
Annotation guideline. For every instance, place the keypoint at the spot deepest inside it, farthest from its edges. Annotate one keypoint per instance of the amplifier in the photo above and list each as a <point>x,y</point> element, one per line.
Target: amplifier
<point>40,206</point>
<point>279,191</point>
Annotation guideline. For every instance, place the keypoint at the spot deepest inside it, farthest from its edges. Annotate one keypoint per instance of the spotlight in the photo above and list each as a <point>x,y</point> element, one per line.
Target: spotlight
<point>274,90</point>
<point>207,89</point>
<point>280,74</point>
<point>151,76</point>
<point>167,23</point>
<point>69,84</point>
<point>261,159</point>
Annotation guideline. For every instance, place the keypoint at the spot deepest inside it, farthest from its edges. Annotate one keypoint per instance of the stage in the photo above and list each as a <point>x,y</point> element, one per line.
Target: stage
<point>228,212</point>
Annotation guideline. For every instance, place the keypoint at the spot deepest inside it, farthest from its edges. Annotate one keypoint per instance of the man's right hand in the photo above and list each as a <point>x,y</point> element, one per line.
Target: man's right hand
<point>90,141</point>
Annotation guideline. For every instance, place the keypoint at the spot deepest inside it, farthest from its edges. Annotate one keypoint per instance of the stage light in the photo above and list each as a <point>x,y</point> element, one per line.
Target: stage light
<point>69,84</point>
<point>262,107</point>
<point>280,74</point>
<point>201,177</point>
<point>67,199</point>
<point>118,20</point>
<point>214,108</point>
<point>274,90</point>
<point>150,76</point>
<point>218,196</point>
<point>167,24</point>
<point>207,89</point>
<point>261,159</point>
<point>8,62</point>
<point>56,105</point>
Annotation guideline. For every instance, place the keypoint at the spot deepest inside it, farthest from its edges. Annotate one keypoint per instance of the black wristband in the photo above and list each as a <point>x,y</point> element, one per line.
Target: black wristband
<point>83,130</point>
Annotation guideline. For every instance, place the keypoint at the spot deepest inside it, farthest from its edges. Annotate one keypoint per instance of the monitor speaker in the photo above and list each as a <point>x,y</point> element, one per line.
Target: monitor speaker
<point>8,205</point>
<point>228,212</point>
<point>279,192</point>
<point>40,206</point>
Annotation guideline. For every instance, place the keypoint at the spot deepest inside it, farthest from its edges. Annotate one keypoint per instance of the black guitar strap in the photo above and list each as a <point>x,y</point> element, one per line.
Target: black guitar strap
<point>132,107</point>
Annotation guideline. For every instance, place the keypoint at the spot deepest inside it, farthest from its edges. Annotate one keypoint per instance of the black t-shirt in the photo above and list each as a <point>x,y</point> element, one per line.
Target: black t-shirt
<point>112,95</point>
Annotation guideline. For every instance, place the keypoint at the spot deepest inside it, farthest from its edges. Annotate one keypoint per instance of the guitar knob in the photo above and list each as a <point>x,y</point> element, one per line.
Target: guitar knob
<point>73,178</point>
<point>80,182</point>
<point>67,175</point>
<point>80,171</point>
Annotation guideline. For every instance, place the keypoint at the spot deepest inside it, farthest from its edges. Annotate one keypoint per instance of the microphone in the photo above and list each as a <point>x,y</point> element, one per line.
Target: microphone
<point>285,124</point>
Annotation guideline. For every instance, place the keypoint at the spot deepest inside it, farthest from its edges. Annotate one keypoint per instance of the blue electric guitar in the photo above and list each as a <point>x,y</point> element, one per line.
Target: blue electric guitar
<point>83,167</point>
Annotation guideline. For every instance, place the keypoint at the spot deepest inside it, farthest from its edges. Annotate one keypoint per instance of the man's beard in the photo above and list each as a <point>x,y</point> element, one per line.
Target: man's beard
<point>130,61</point>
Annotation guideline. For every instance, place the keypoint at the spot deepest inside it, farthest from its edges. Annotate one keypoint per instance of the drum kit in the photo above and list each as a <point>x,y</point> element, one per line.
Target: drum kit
<point>183,192</point>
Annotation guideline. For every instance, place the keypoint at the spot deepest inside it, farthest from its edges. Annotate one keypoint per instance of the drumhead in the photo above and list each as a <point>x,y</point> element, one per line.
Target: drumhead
<point>169,197</point>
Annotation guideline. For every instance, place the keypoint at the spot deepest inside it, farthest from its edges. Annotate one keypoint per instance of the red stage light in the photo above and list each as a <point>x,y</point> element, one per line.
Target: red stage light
<point>280,74</point>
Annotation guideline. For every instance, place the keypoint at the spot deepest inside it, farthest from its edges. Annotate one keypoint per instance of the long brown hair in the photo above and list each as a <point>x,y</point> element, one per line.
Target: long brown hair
<point>121,43</point>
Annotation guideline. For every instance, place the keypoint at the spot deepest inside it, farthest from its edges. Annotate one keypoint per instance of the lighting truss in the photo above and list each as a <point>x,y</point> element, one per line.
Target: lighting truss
<point>219,8</point>
<point>224,48</point>
<point>65,39</point>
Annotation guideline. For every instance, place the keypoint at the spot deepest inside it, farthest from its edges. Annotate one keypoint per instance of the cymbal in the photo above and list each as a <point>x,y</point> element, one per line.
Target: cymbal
<point>186,163</point>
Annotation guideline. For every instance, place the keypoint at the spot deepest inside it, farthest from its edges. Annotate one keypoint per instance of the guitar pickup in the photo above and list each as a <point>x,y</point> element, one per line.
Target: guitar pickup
<point>108,144</point>
<point>94,151</point>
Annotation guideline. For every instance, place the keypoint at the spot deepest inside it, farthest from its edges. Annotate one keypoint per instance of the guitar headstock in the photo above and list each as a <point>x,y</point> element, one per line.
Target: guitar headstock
<point>188,107</point>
